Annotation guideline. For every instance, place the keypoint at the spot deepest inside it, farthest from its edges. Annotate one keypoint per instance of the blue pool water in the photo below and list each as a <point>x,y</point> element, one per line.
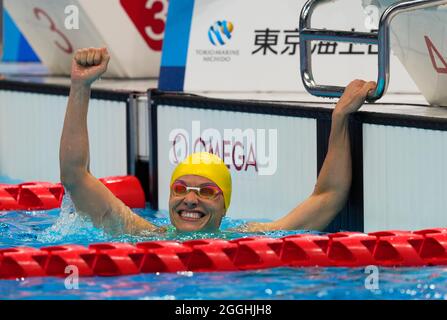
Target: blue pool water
<point>43,228</point>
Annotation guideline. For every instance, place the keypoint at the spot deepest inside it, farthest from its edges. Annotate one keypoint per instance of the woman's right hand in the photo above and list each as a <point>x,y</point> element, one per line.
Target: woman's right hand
<point>88,65</point>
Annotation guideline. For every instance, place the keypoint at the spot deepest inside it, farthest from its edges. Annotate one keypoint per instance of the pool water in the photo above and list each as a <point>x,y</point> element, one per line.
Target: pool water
<point>62,226</point>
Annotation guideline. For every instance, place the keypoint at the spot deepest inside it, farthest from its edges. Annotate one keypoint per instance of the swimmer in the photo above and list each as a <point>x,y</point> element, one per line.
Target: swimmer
<point>200,192</point>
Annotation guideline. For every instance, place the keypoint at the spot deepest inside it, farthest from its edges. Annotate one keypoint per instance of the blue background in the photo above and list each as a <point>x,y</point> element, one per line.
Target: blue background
<point>15,47</point>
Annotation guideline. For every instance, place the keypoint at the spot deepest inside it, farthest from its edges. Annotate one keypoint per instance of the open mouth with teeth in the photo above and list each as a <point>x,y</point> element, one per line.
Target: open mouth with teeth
<point>191,215</point>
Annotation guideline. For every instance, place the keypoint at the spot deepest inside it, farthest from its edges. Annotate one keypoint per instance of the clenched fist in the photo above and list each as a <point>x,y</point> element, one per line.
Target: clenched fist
<point>88,65</point>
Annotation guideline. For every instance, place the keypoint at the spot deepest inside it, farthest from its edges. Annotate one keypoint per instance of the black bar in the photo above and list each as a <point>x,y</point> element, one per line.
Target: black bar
<point>356,199</point>
<point>60,90</point>
<point>142,173</point>
<point>402,120</point>
<point>351,217</point>
<point>130,138</point>
<point>153,151</point>
<point>227,309</point>
<point>280,108</point>
<point>296,109</point>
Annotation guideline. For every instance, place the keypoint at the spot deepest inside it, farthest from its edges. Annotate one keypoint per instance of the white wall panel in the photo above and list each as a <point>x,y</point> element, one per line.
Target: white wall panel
<point>254,196</point>
<point>405,178</point>
<point>30,130</point>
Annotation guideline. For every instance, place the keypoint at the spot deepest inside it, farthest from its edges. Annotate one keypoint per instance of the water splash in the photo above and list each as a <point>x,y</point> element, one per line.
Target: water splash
<point>70,226</point>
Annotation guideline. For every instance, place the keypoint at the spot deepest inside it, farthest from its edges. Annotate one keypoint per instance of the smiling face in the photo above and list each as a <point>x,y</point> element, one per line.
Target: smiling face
<point>193,213</point>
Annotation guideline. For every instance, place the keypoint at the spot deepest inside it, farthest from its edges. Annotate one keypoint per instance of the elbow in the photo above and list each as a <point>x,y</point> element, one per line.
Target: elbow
<point>332,200</point>
<point>66,174</point>
<point>334,194</point>
<point>72,168</point>
<point>71,177</point>
<point>67,180</point>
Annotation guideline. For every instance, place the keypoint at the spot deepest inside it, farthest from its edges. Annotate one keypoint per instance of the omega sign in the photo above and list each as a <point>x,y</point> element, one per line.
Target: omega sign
<point>241,150</point>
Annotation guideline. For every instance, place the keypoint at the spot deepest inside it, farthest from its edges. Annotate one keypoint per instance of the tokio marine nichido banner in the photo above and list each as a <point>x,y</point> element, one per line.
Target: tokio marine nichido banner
<point>253,45</point>
<point>131,30</point>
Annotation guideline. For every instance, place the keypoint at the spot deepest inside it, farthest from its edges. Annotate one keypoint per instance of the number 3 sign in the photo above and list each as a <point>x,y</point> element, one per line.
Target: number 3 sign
<point>149,16</point>
<point>132,30</point>
<point>66,47</point>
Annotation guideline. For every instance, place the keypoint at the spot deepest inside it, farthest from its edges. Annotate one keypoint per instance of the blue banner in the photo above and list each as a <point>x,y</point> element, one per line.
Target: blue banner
<point>175,45</point>
<point>15,47</point>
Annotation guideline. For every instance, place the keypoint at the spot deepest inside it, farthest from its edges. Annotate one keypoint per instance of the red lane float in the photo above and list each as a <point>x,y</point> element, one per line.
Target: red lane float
<point>343,249</point>
<point>45,196</point>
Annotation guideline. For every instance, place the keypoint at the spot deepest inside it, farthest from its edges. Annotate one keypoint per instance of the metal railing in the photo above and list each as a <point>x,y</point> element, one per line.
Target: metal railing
<point>380,38</point>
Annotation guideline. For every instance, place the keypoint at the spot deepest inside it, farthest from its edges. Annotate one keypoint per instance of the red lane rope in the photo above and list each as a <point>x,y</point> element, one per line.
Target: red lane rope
<point>45,196</point>
<point>343,249</point>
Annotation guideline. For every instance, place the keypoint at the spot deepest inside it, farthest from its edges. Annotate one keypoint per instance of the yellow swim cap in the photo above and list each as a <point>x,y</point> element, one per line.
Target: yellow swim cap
<point>209,166</point>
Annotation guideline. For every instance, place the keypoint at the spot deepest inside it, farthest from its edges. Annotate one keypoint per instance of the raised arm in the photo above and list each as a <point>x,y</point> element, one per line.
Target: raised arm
<point>89,195</point>
<point>334,181</point>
